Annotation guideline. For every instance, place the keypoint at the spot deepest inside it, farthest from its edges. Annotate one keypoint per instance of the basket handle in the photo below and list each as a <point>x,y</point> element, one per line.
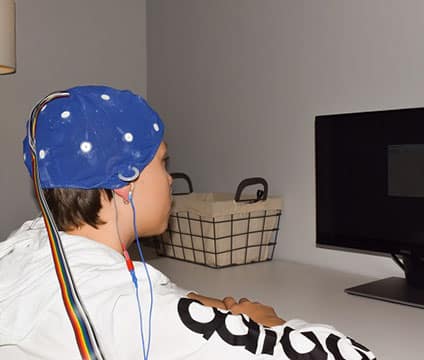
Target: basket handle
<point>260,194</point>
<point>186,178</point>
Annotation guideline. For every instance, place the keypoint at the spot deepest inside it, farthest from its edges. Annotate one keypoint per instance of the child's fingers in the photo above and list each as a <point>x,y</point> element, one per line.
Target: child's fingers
<point>242,300</point>
<point>229,302</point>
<point>236,309</point>
<point>207,301</point>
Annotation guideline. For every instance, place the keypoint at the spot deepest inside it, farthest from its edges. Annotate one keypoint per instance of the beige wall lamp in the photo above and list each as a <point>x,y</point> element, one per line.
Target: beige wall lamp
<point>7,37</point>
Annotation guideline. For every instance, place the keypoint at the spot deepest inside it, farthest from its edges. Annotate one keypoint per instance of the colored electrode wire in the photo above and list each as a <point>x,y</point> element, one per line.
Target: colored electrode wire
<point>84,332</point>
<point>146,354</point>
<point>130,267</point>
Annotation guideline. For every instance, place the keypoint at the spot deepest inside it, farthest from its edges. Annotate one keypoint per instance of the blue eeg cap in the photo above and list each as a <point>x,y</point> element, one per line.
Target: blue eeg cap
<point>94,138</point>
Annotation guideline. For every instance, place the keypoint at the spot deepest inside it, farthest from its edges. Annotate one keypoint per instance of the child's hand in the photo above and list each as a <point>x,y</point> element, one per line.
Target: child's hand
<point>207,301</point>
<point>260,313</point>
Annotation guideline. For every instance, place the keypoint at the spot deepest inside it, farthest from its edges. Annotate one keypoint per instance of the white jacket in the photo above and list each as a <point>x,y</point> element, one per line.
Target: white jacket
<point>34,324</point>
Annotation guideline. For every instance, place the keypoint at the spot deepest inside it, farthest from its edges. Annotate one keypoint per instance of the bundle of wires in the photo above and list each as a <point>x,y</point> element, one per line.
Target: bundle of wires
<point>83,329</point>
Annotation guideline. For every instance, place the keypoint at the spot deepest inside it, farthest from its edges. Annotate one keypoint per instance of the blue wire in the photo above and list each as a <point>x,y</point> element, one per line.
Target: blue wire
<point>140,317</point>
<point>146,356</point>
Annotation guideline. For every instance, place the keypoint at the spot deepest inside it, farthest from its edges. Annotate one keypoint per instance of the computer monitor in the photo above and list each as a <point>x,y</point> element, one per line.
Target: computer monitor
<point>370,193</point>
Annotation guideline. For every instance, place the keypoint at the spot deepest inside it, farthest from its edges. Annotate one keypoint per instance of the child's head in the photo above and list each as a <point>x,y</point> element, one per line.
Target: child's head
<point>95,142</point>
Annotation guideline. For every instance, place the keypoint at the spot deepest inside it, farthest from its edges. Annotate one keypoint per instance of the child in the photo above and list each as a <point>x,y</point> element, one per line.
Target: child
<point>98,155</point>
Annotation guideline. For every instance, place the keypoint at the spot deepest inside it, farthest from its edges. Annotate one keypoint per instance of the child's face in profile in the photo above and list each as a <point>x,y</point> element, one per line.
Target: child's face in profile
<point>152,195</point>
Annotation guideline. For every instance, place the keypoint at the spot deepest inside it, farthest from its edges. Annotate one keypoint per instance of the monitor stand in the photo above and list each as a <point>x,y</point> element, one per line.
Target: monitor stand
<point>406,291</point>
<point>393,289</point>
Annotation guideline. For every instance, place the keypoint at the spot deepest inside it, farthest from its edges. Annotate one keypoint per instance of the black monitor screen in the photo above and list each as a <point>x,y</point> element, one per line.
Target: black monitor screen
<point>370,180</point>
<point>405,172</point>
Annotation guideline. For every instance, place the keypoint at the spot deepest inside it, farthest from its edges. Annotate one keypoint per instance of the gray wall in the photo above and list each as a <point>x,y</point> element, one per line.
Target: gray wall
<point>61,44</point>
<point>239,83</point>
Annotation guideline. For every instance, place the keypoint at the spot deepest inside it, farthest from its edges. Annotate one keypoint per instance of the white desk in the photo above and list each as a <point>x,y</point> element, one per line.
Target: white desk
<point>391,331</point>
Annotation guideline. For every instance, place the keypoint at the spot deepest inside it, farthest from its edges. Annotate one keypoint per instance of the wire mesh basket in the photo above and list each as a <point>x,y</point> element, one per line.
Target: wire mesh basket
<point>220,229</point>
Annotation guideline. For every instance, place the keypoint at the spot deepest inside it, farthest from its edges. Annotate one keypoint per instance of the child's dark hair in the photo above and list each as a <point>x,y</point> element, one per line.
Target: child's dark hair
<point>72,208</point>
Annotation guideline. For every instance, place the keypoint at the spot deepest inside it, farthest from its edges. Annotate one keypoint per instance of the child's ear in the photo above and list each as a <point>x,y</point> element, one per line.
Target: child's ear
<point>123,192</point>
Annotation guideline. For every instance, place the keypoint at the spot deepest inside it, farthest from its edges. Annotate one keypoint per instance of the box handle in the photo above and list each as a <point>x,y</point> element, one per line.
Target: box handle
<point>261,195</point>
<point>187,179</point>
